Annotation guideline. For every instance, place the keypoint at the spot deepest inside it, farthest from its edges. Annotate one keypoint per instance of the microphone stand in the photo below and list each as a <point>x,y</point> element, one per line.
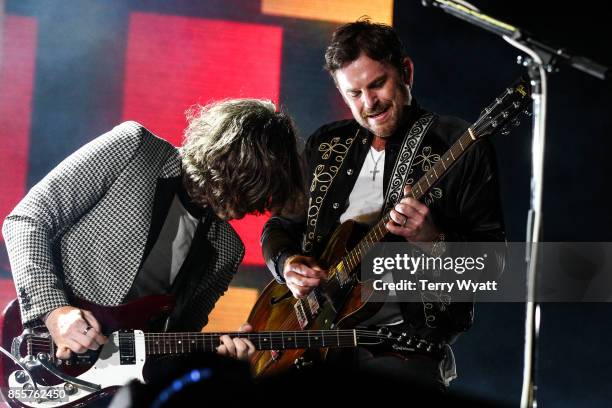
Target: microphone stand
<point>542,59</point>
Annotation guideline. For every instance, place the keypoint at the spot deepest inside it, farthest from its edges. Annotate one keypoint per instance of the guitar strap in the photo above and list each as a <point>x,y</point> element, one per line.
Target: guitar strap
<point>403,163</point>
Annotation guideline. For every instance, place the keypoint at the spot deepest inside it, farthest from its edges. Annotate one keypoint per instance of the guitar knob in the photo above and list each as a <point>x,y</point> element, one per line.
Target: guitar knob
<point>527,112</point>
<point>494,124</point>
<point>43,356</point>
<point>70,389</point>
<point>505,131</point>
<point>21,376</point>
<point>516,123</point>
<point>421,345</point>
<point>430,348</point>
<point>410,341</point>
<point>301,362</point>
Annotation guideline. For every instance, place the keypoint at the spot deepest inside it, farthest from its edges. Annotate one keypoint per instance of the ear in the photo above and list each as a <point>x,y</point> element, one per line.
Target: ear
<point>407,71</point>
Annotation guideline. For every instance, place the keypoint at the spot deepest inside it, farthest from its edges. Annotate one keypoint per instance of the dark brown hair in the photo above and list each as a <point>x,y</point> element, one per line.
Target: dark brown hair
<point>240,156</point>
<point>378,41</point>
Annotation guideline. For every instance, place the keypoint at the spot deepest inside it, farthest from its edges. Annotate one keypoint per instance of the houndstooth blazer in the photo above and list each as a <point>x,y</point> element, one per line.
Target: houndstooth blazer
<point>84,228</point>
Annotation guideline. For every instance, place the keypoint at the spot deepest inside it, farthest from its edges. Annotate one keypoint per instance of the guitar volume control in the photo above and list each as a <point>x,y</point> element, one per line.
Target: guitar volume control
<point>70,389</point>
<point>21,377</point>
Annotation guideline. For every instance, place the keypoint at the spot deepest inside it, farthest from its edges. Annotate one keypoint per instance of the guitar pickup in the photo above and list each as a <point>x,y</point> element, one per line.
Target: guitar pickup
<point>300,313</point>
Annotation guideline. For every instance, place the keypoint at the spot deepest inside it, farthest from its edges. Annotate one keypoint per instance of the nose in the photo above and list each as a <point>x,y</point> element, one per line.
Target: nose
<point>369,99</point>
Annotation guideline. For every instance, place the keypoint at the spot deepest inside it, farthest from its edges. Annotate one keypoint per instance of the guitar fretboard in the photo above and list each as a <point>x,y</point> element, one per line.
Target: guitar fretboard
<point>354,257</point>
<point>179,343</point>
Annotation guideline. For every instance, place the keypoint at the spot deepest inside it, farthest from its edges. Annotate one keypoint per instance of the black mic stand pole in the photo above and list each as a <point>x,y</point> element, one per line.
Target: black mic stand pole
<point>541,61</point>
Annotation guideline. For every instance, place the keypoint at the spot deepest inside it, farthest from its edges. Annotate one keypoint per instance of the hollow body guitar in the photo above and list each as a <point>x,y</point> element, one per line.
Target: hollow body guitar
<point>342,301</point>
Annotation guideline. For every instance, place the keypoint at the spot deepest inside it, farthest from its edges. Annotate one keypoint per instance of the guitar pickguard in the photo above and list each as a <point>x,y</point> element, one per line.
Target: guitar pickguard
<point>116,366</point>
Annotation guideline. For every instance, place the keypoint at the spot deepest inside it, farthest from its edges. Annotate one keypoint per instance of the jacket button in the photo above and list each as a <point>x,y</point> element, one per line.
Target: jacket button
<point>349,171</point>
<point>336,206</point>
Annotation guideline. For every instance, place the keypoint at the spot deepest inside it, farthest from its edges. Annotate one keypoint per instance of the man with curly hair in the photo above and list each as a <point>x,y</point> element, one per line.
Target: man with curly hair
<point>129,215</point>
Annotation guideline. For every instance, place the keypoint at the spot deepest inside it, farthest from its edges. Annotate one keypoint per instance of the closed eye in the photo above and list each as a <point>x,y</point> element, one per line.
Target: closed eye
<point>378,83</point>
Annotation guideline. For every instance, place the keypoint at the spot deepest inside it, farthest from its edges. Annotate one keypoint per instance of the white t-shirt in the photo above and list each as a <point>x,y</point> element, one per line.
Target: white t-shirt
<point>366,199</point>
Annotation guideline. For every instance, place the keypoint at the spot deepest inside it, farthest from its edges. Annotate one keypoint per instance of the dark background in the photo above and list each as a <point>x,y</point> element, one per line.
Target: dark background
<point>459,69</point>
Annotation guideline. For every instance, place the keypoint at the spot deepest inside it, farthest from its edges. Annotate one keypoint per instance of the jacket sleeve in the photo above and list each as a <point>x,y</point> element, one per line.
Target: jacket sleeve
<point>58,201</point>
<point>282,234</point>
<point>280,239</point>
<point>479,200</point>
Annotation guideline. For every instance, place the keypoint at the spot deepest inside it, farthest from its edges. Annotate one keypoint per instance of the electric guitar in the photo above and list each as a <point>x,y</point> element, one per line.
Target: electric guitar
<point>31,375</point>
<point>342,301</point>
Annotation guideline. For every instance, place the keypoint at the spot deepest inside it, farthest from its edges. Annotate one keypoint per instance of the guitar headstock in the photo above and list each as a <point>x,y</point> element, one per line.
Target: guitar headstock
<point>505,111</point>
<point>385,340</point>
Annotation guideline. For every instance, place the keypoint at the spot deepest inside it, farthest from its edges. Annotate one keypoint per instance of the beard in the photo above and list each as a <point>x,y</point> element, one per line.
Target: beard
<point>389,126</point>
<point>394,108</point>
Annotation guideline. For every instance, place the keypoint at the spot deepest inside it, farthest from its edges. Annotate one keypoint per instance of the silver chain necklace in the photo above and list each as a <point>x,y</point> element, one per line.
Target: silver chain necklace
<point>375,164</point>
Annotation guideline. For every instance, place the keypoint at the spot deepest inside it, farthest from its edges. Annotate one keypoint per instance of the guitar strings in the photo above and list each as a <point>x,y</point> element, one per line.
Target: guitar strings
<point>348,333</point>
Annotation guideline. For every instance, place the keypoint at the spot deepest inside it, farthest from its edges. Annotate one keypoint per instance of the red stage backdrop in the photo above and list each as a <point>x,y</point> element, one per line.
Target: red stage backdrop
<point>174,62</point>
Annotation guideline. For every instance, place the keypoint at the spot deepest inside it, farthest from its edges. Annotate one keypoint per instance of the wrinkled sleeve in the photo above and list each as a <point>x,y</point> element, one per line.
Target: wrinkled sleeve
<point>58,201</point>
<point>282,234</point>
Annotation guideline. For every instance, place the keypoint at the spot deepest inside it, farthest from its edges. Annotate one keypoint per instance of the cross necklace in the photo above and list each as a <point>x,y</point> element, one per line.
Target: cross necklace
<point>375,164</point>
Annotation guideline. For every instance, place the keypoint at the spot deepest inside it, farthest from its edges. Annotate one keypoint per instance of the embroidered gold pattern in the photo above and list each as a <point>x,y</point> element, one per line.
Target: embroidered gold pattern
<point>322,178</point>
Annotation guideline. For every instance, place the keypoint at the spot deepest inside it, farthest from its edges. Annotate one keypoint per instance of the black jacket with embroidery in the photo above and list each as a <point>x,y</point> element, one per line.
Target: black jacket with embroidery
<point>464,204</point>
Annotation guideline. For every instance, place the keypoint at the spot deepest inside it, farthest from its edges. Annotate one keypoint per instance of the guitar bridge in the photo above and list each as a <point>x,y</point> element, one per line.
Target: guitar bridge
<point>341,274</point>
<point>300,313</point>
<point>313,303</point>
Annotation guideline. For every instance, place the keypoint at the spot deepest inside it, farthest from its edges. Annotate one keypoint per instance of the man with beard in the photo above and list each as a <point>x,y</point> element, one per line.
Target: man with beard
<point>356,171</point>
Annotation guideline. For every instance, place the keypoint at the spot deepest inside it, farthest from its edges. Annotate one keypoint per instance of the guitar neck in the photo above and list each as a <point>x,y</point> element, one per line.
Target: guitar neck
<point>419,189</point>
<point>179,343</point>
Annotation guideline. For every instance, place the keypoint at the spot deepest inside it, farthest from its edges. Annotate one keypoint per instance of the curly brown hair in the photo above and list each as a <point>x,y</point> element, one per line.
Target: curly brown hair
<point>240,156</point>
